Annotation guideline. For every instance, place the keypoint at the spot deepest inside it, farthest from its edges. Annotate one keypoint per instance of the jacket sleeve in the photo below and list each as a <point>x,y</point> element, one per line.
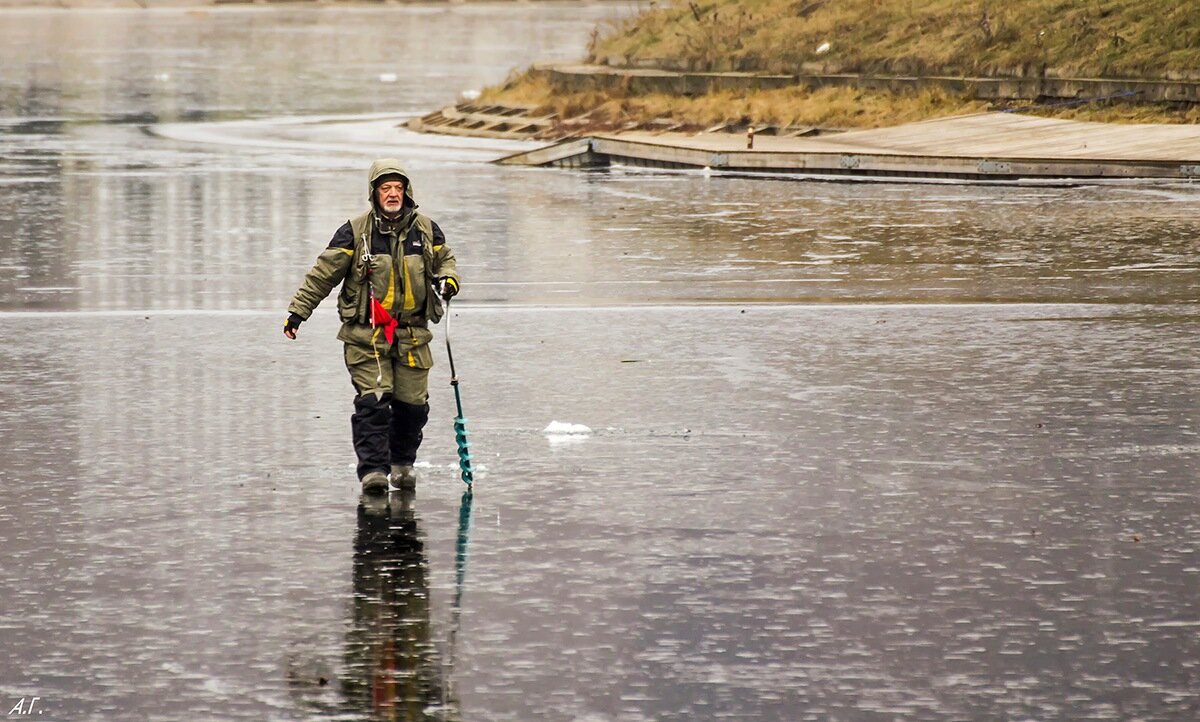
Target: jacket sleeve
<point>443,258</point>
<point>330,269</point>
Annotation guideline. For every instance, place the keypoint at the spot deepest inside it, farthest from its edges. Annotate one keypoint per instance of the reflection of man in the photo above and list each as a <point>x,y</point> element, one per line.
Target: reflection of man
<point>392,668</point>
<point>389,260</point>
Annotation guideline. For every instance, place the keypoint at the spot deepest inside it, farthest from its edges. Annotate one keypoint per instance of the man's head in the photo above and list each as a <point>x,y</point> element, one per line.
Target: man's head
<point>389,193</point>
<point>389,189</point>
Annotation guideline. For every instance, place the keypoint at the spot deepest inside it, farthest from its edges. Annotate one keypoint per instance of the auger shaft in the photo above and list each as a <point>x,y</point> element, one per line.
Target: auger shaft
<point>460,421</point>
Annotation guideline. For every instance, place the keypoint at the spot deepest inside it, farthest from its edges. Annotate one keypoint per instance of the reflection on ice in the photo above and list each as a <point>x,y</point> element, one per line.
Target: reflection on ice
<point>395,664</point>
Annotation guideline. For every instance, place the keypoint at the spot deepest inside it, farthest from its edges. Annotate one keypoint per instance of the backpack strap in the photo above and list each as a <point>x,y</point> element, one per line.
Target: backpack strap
<point>433,302</point>
<point>361,228</point>
<point>425,225</point>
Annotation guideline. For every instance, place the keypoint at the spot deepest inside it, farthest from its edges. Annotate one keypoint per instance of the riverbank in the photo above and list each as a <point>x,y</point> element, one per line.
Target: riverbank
<point>911,129</point>
<point>607,99</point>
<point>871,64</point>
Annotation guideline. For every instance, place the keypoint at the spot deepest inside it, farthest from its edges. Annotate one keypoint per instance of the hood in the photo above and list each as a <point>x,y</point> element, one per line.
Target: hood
<point>389,166</point>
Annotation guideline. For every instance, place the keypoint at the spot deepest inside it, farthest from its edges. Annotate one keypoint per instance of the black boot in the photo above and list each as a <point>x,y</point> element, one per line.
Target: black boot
<point>369,425</point>
<point>405,434</point>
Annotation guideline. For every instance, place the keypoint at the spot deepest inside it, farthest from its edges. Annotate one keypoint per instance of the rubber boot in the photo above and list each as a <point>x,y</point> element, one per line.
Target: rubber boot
<point>403,477</point>
<point>375,482</point>
<point>405,433</point>
<point>369,425</point>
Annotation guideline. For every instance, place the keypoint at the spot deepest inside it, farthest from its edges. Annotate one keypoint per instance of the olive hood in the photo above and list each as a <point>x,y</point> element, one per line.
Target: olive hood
<point>386,167</point>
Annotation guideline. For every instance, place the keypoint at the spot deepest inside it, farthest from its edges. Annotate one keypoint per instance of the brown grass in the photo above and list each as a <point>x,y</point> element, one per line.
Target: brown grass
<point>1067,38</point>
<point>1118,112</point>
<point>824,108</point>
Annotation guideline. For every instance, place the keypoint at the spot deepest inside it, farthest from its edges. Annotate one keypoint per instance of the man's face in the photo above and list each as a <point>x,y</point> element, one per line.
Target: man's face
<point>390,196</point>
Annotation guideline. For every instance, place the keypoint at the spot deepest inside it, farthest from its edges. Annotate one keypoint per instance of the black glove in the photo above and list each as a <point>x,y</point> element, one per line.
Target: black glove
<point>291,324</point>
<point>448,287</point>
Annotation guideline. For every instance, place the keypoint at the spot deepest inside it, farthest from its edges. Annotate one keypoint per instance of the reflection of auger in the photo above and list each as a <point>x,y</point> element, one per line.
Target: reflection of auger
<point>460,576</point>
<point>460,423</point>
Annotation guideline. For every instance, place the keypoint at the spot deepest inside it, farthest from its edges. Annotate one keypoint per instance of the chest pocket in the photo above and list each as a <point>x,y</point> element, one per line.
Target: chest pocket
<point>399,280</point>
<point>382,279</point>
<point>414,266</point>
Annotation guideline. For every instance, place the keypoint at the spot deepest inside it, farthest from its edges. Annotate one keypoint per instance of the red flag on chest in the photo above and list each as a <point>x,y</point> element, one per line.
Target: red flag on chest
<point>380,317</point>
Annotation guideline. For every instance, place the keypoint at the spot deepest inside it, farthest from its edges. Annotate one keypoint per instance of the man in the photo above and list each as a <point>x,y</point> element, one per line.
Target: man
<point>390,260</point>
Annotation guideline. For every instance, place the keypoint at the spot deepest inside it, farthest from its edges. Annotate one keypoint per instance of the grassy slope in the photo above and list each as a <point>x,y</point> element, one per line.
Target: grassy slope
<point>1067,38</point>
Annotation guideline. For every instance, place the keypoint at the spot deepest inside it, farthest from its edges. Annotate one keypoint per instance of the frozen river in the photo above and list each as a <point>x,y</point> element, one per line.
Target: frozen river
<point>859,452</point>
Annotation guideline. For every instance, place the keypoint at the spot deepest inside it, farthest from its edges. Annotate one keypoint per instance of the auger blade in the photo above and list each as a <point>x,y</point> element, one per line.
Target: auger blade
<point>464,451</point>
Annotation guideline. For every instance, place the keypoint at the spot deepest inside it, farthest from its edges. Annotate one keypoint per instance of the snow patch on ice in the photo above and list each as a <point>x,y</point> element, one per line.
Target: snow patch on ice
<point>560,427</point>
<point>561,433</point>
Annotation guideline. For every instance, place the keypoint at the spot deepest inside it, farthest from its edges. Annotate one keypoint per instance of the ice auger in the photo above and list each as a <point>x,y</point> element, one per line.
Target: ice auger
<point>460,422</point>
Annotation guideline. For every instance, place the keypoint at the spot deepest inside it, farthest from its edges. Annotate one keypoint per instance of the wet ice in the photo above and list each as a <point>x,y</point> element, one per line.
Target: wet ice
<point>947,473</point>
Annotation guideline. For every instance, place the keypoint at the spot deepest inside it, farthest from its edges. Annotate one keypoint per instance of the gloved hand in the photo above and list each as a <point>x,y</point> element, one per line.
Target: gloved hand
<point>291,325</point>
<point>447,287</point>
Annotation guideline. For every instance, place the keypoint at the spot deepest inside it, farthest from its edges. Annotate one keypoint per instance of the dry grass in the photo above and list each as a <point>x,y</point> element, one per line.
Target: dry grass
<point>1121,113</point>
<point>825,107</point>
<point>1067,38</point>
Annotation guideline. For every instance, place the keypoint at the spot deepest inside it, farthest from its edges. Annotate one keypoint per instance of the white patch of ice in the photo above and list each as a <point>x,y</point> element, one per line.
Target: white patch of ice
<point>560,427</point>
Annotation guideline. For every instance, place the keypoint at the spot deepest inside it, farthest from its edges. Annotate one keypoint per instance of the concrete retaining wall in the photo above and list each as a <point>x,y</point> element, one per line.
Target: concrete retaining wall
<point>639,81</point>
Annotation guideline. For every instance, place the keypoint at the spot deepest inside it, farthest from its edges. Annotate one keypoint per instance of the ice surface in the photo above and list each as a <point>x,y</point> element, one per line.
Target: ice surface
<point>949,477</point>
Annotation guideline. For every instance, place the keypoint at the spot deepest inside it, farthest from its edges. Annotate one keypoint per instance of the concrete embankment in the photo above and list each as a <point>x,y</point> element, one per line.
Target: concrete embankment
<point>637,81</point>
<point>985,147</point>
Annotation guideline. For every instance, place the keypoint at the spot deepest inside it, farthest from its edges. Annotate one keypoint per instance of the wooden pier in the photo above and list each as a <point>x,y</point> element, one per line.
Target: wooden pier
<point>983,147</point>
<point>485,121</point>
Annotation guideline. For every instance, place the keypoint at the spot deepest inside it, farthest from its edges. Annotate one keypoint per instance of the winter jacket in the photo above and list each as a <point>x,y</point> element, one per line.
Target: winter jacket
<point>401,258</point>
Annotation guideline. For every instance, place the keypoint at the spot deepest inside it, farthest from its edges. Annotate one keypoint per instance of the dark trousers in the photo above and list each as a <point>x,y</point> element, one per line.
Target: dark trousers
<point>386,431</point>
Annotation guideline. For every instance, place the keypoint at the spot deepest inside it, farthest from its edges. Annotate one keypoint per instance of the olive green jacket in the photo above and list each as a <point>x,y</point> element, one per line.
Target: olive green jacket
<point>403,279</point>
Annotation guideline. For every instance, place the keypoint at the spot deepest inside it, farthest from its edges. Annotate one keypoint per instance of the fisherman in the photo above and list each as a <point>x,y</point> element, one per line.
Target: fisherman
<point>395,268</point>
